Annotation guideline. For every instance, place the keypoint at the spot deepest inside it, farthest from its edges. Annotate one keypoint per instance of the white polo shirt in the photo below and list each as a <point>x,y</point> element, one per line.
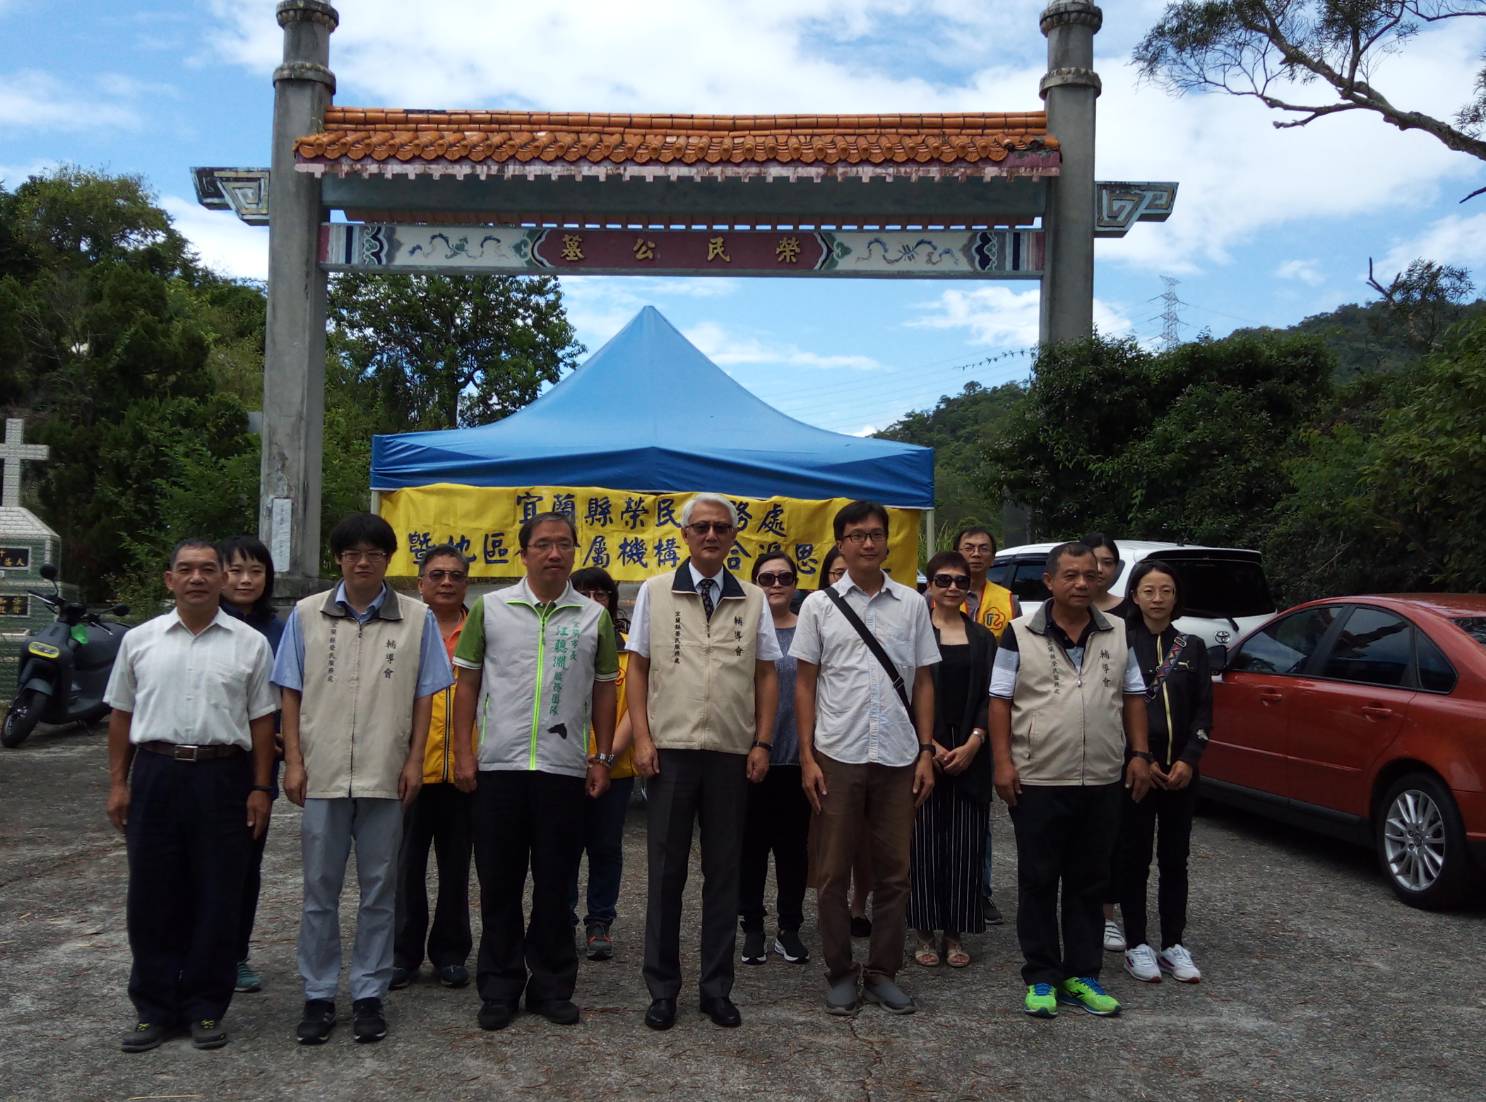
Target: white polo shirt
<point>858,716</point>
<point>193,690</point>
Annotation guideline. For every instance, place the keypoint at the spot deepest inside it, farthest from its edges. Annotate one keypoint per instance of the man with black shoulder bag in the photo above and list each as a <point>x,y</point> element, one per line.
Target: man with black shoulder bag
<point>864,711</point>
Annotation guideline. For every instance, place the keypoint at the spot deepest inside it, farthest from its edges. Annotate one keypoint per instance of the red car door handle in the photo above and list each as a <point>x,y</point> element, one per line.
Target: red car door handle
<point>1376,711</point>
<point>1270,696</point>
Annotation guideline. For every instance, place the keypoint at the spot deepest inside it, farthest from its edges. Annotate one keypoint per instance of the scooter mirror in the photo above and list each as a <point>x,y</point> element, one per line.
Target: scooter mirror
<point>49,572</point>
<point>119,610</point>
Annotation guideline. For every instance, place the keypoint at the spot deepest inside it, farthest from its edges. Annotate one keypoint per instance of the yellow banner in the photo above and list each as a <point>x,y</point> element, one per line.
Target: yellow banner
<point>632,535</point>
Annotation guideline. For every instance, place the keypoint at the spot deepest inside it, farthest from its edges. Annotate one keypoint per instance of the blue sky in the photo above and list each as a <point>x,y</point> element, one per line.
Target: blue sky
<point>1270,225</point>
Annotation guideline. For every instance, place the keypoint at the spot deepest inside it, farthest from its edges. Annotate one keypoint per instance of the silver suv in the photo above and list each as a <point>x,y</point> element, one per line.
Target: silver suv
<point>1223,588</point>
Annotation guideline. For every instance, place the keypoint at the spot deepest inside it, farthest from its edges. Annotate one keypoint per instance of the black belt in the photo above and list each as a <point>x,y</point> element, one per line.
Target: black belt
<point>191,753</point>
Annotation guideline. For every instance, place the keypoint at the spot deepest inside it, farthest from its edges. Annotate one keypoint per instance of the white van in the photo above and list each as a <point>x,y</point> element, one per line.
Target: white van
<point>1223,588</point>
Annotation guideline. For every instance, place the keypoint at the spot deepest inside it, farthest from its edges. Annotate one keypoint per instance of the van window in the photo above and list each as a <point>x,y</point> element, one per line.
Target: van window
<point>1218,588</point>
<point>1027,583</point>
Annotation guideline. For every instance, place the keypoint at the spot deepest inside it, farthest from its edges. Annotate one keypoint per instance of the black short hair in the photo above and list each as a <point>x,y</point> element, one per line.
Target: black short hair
<point>1095,540</point>
<point>1077,548</point>
<point>1154,566</point>
<point>825,566</point>
<point>440,551</point>
<point>976,530</point>
<point>254,550</point>
<point>596,577</point>
<point>854,512</point>
<point>524,536</point>
<point>362,528</point>
<point>770,556</point>
<point>194,543</point>
<point>943,559</point>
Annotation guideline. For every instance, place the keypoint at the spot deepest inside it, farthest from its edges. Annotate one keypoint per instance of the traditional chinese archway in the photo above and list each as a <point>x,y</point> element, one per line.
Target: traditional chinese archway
<point>958,196</point>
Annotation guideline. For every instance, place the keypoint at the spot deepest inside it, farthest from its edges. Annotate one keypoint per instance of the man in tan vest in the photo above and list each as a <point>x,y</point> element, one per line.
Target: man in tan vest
<point>1067,700</point>
<point>359,667</point>
<point>702,695</point>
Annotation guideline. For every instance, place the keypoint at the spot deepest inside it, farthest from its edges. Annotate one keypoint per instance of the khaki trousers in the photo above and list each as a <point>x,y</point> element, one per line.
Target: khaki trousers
<point>869,806</point>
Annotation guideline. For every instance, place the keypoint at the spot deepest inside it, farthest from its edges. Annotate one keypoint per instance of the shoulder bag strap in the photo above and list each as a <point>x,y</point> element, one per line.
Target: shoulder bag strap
<point>874,646</point>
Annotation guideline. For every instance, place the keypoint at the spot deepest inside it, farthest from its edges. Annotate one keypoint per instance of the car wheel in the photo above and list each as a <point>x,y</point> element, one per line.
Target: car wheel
<point>1421,842</point>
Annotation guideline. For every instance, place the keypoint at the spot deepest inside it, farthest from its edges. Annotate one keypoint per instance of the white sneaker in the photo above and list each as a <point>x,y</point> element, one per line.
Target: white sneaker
<point>1140,962</point>
<point>1114,940</point>
<point>1178,962</point>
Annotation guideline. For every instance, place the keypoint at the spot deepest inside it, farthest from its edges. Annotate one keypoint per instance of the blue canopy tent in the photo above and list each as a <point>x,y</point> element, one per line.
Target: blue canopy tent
<point>649,411</point>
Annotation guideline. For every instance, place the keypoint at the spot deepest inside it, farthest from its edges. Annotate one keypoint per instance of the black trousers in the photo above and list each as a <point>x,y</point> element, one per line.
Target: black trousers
<point>777,821</point>
<point>946,867</point>
<point>693,786</point>
<point>1172,812</point>
<point>527,821</point>
<point>1065,837</point>
<point>189,848</point>
<point>444,818</point>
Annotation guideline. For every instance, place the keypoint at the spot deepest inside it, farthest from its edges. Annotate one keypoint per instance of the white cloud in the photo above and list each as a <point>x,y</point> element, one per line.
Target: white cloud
<point>865,430</point>
<point>728,349</point>
<point>13,176</point>
<point>33,100</point>
<point>999,317</point>
<point>1304,271</point>
<point>226,245</point>
<point>1458,239</point>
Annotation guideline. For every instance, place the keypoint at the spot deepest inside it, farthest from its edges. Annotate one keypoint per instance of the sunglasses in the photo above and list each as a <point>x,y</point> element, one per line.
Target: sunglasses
<point>952,581</point>
<point>768,578</point>
<point>451,575</point>
<point>721,527</point>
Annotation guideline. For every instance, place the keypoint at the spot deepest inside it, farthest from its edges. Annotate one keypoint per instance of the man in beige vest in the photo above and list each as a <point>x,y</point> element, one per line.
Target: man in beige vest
<point>359,667</point>
<point>702,696</point>
<point>1067,700</point>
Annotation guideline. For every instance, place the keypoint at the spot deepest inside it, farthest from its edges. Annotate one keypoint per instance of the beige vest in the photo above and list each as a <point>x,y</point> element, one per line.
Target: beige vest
<point>1067,724</point>
<point>356,710</point>
<point>701,672</point>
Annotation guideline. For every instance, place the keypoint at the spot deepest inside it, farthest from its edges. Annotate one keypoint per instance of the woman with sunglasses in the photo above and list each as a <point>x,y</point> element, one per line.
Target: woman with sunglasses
<point>949,831</point>
<point>778,819</point>
<point>603,818</point>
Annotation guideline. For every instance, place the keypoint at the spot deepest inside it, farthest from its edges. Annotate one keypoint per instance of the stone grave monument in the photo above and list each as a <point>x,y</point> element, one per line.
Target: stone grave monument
<point>25,544</point>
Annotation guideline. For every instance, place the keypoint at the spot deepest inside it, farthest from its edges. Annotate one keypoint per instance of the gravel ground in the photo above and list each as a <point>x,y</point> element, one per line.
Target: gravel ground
<point>1317,985</point>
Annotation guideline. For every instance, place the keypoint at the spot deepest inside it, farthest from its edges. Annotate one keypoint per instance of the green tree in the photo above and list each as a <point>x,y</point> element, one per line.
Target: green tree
<point>433,351</point>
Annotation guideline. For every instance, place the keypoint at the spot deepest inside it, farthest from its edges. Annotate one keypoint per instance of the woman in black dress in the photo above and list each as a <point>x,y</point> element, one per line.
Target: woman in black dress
<point>949,831</point>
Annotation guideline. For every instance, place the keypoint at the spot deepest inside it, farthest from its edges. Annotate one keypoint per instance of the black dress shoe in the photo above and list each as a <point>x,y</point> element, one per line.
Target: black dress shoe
<point>722,1011</point>
<point>454,975</point>
<point>662,1014</point>
<point>558,1012</point>
<point>494,1015</point>
<point>318,1021</point>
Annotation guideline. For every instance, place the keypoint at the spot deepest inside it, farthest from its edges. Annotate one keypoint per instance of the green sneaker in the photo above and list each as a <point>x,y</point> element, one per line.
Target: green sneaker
<point>1041,1002</point>
<point>1085,991</point>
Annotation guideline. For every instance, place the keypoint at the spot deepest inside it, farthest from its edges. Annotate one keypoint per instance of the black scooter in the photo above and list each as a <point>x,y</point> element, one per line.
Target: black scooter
<point>64,666</point>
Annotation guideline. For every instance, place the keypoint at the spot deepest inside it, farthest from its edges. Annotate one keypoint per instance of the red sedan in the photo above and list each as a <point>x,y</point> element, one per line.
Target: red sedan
<point>1364,717</point>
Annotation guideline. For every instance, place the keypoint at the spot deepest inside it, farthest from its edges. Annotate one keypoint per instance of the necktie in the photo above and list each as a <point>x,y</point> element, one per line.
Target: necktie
<point>705,585</point>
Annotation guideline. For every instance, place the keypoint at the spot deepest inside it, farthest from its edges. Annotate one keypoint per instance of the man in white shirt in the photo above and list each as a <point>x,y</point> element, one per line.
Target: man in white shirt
<point>193,715</point>
<point>865,762</point>
<point>702,694</point>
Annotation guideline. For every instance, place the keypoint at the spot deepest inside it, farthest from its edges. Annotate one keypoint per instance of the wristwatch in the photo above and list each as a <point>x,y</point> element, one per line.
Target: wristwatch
<point>606,760</point>
<point>263,788</point>
<point>1144,755</point>
<point>760,744</point>
<point>925,748</point>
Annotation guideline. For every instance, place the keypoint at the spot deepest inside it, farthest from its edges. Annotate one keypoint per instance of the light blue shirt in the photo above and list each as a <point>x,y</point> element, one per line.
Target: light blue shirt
<point>434,672</point>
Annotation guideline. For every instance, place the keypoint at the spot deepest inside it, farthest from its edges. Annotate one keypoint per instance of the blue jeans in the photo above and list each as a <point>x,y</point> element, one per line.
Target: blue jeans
<point>603,841</point>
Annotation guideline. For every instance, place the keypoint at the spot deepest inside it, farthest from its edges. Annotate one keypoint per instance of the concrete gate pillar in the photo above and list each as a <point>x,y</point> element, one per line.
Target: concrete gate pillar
<point>294,353</point>
<point>1070,88</point>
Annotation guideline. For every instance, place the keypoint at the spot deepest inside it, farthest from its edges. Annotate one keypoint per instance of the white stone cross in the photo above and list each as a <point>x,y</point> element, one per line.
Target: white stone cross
<point>12,454</point>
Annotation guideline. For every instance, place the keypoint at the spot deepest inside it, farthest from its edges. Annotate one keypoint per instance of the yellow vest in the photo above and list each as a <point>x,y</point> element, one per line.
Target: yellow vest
<point>438,758</point>
<point>624,765</point>
<point>994,610</point>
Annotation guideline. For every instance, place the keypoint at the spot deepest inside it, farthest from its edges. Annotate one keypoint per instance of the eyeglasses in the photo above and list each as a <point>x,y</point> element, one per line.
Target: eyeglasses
<point>720,527</point>
<point>836,574</point>
<point>451,575</point>
<point>768,578</point>
<point>952,581</point>
<point>373,557</point>
<point>542,547</point>
<point>876,535</point>
<point>599,595</point>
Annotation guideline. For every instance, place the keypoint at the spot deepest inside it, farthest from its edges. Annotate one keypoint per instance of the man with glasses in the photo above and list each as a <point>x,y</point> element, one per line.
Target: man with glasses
<point>535,661</point>
<point>702,696</point>
<point>866,763</point>
<point>359,668</point>
<point>442,815</point>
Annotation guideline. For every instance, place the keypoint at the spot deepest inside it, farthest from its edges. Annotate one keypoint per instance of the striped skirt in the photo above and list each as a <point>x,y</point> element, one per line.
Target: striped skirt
<point>949,841</point>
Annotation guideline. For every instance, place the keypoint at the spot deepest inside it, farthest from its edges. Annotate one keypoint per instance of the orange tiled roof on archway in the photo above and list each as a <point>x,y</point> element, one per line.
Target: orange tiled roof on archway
<point>366,136</point>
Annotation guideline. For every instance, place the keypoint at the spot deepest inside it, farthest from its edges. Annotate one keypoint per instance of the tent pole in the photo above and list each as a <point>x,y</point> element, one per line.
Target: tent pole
<point>929,533</point>
<point>376,503</point>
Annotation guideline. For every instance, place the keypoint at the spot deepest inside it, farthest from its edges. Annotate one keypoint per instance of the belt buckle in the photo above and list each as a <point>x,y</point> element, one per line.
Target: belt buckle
<point>181,753</point>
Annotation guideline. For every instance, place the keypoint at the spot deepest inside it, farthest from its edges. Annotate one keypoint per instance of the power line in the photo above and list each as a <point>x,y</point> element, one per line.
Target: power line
<point>1171,319</point>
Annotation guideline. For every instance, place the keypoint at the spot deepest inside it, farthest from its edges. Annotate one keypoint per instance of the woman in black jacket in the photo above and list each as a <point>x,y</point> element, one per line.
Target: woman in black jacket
<point>1179,701</point>
<point>949,832</point>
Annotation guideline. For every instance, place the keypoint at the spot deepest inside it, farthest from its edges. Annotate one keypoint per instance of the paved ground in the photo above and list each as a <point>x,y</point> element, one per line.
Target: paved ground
<point>1318,985</point>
